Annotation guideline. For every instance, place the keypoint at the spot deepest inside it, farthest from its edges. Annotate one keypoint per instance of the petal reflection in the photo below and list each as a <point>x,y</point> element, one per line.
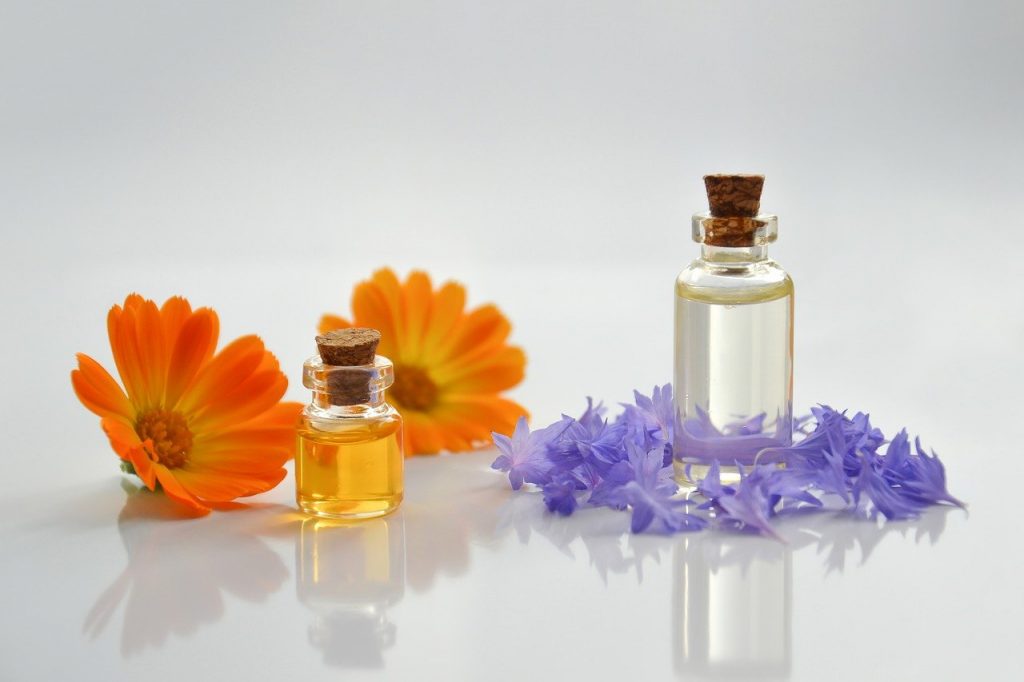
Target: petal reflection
<point>179,569</point>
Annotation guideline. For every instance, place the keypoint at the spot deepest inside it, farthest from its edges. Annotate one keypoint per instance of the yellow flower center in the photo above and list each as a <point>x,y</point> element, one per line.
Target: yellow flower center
<point>413,388</point>
<point>171,438</point>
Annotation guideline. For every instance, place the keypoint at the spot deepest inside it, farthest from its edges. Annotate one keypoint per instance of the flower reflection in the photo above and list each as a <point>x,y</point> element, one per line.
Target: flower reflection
<point>612,549</point>
<point>732,593</point>
<point>349,573</point>
<point>842,540</point>
<point>178,568</point>
<point>604,535</point>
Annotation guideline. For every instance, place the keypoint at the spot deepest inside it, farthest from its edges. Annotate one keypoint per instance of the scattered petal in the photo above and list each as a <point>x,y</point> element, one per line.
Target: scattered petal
<point>628,464</point>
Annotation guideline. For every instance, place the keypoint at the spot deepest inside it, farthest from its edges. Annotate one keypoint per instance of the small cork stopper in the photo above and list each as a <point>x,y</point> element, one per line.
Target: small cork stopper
<point>734,196</point>
<point>734,201</point>
<point>351,347</point>
<point>348,347</point>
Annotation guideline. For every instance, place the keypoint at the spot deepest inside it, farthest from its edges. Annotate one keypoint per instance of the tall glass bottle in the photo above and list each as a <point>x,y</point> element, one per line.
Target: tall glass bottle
<point>349,461</point>
<point>733,382</point>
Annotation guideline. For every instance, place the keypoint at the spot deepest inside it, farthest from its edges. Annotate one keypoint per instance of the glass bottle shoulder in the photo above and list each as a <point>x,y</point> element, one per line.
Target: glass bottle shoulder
<point>733,283</point>
<point>381,421</point>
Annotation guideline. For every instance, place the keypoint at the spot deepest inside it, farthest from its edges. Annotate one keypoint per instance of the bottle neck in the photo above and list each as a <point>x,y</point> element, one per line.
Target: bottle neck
<point>325,404</point>
<point>734,241</point>
<point>348,390</point>
<point>733,255</point>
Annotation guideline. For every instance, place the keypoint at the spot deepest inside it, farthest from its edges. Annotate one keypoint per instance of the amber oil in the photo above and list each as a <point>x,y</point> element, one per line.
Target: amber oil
<point>355,471</point>
<point>349,460</point>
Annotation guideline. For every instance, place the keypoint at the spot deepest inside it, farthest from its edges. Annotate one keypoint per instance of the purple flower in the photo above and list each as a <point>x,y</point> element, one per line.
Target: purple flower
<point>752,504</point>
<point>655,415</point>
<point>700,441</point>
<point>746,427</point>
<point>650,494</point>
<point>872,493</point>
<point>524,455</point>
<point>590,444</point>
<point>560,494</point>
<point>593,415</point>
<point>605,493</point>
<point>627,464</point>
<point>920,477</point>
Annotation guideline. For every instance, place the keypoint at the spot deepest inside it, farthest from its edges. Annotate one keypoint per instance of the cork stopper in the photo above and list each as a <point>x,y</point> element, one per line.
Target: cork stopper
<point>348,347</point>
<point>351,347</point>
<point>734,200</point>
<point>734,196</point>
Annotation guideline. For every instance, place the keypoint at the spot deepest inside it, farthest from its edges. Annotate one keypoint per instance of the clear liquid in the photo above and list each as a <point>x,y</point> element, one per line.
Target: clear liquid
<point>349,469</point>
<point>733,374</point>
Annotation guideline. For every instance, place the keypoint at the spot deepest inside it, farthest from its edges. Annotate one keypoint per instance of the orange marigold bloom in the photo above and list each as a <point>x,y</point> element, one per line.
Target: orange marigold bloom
<point>451,364</point>
<point>206,427</point>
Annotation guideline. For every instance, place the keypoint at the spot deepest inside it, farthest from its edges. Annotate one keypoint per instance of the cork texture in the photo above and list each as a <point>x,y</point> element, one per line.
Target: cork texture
<point>352,347</point>
<point>348,347</point>
<point>734,196</point>
<point>734,201</point>
<point>731,232</point>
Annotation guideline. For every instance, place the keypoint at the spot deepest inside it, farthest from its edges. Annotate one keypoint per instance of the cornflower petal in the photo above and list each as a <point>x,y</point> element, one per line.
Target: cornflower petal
<point>626,465</point>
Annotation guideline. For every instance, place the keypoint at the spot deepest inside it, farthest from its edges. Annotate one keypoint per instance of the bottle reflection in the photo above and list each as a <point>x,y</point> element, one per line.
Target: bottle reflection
<point>732,607</point>
<point>349,574</point>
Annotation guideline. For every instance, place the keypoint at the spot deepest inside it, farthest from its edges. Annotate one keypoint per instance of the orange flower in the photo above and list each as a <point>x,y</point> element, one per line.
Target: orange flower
<point>451,364</point>
<point>206,427</point>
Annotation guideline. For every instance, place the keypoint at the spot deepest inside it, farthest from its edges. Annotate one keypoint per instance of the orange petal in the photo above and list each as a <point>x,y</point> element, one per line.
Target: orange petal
<point>177,492</point>
<point>222,487</point>
<point>133,301</point>
<point>275,429</point>
<point>448,305</point>
<point>232,365</point>
<point>145,467</point>
<point>126,443</point>
<point>329,323</point>
<point>382,303</point>
<point>173,313</point>
<point>417,299</point>
<point>371,307</point>
<point>247,462</point>
<point>253,396</point>
<point>478,333</point>
<point>122,436</point>
<point>421,435</point>
<point>459,432</point>
<point>98,391</point>
<point>456,435</point>
<point>497,372</point>
<point>151,349</point>
<point>193,346</point>
<point>489,413</point>
<point>121,331</point>
<point>280,415</point>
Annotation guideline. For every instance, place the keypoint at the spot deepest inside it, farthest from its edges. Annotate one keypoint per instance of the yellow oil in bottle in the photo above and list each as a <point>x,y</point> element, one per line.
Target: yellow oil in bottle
<point>349,470</point>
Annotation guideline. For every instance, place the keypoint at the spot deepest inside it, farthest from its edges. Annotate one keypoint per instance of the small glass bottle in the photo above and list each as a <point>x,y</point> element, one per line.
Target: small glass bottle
<point>349,459</point>
<point>733,382</point>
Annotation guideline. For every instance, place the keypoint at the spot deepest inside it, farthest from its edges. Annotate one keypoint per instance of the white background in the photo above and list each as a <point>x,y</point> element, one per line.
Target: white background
<point>262,157</point>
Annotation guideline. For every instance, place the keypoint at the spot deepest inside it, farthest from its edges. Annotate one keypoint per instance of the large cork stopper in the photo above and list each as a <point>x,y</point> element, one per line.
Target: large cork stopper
<point>351,347</point>
<point>734,200</point>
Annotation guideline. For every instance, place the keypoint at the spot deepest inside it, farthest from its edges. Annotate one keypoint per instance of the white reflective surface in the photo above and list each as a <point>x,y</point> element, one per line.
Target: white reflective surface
<point>471,581</point>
